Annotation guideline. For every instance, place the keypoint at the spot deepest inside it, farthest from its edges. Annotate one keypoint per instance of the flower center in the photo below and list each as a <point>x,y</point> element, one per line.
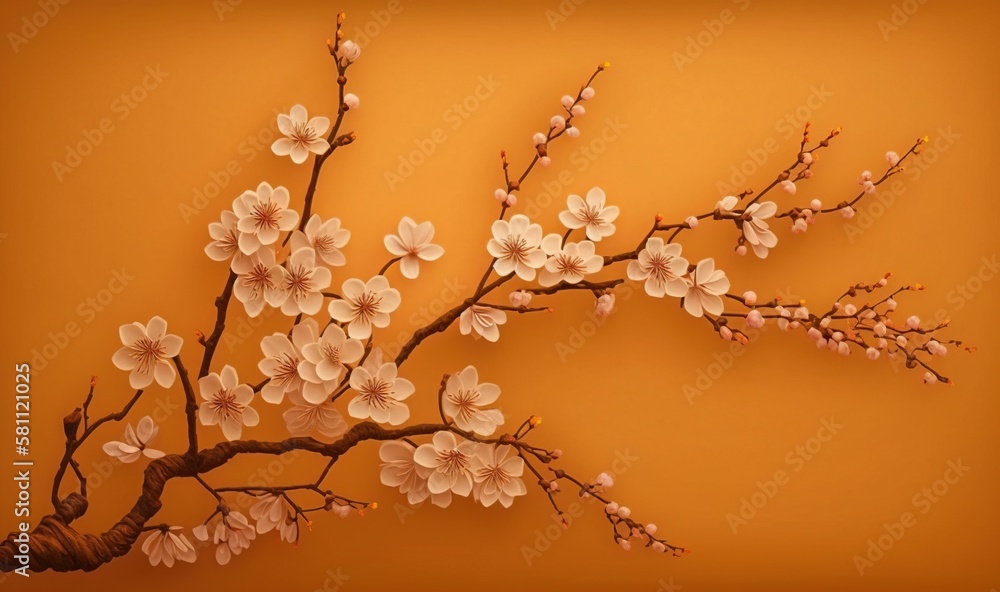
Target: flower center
<point>258,279</point>
<point>287,371</point>
<point>659,267</point>
<point>324,244</point>
<point>224,403</point>
<point>231,242</point>
<point>265,215</point>
<point>516,248</point>
<point>465,401</point>
<point>147,352</point>
<point>330,352</point>
<point>303,134</point>
<point>494,475</point>
<point>591,215</point>
<point>452,462</point>
<point>298,281</point>
<point>376,392</point>
<point>569,265</point>
<point>367,306</point>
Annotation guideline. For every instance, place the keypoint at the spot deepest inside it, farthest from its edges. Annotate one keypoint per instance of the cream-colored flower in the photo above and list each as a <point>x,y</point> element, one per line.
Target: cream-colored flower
<point>662,266</point>
<point>380,392</point>
<point>136,442</point>
<point>232,535</point>
<point>568,263</point>
<point>515,245</point>
<point>484,320</point>
<point>756,230</point>
<point>272,512</point>
<point>706,286</point>
<point>146,353</point>
<point>399,470</point>
<point>306,419</point>
<point>302,283</point>
<point>364,305</point>
<point>302,135</point>
<point>413,243</point>
<point>449,460</point>
<point>497,472</point>
<point>325,362</point>
<point>227,403</point>
<point>463,399</point>
<point>261,284</point>
<point>327,238</point>
<point>592,214</point>
<point>281,361</point>
<point>167,546</point>
<point>263,215</point>
<point>226,243</point>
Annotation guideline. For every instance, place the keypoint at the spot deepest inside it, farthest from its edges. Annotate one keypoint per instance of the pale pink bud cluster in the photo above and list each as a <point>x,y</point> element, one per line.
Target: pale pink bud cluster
<point>892,158</point>
<point>605,306</point>
<point>520,298</point>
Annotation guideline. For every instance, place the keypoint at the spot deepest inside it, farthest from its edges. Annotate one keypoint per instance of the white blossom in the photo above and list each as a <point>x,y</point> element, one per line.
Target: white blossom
<point>412,244</point>
<point>146,353</point>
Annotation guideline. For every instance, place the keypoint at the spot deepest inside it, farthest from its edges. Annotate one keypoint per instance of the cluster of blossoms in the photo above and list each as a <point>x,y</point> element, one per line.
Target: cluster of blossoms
<point>316,362</point>
<point>449,464</point>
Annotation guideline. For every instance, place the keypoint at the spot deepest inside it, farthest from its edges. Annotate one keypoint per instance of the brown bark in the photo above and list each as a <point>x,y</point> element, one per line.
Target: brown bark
<point>56,545</point>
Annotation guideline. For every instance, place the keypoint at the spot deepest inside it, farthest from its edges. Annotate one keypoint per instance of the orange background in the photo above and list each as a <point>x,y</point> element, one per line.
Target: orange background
<point>622,390</point>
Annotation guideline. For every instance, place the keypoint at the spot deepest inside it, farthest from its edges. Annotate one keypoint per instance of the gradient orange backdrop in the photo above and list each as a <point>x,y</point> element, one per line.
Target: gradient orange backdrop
<point>660,136</point>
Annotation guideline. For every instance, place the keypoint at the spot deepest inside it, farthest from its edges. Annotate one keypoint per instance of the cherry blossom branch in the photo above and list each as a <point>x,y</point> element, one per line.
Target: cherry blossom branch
<point>71,425</point>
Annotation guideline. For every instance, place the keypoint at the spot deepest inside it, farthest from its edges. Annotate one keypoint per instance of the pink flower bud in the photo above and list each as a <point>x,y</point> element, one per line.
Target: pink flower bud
<point>814,333</point>
<point>879,329</point>
<point>930,378</point>
<point>545,161</point>
<point>659,547</point>
<point>741,250</point>
<point>626,545</point>
<point>605,480</point>
<point>801,313</point>
<point>650,529</point>
<point>556,453</point>
<point>573,132</point>
<point>881,343</point>
<point>872,353</point>
<point>843,349</point>
<point>807,158</point>
<point>624,512</point>
<point>913,322</point>
<point>611,508</point>
<point>539,138</point>
<point>900,341</point>
<point>891,304</point>
<point>869,187</point>
<point>691,221</point>
<point>750,297</point>
<point>788,187</point>
<point>881,283</point>
<point>605,305</point>
<point>500,195</point>
<point>511,201</point>
<point>577,110</point>
<point>800,226</point>
<point>847,212</point>
<point>837,336</point>
<point>824,322</point>
<point>567,101</point>
<point>865,176</point>
<point>807,174</point>
<point>726,333</point>
<point>520,298</point>
<point>892,158</point>
<point>558,122</point>
<point>755,320</point>
<point>850,310</point>
<point>352,101</point>
<point>816,205</point>
<point>587,94</point>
